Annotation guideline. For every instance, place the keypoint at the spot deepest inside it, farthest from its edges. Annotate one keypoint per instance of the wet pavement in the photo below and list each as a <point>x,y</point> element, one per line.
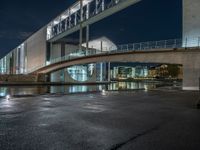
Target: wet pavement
<point>144,120</point>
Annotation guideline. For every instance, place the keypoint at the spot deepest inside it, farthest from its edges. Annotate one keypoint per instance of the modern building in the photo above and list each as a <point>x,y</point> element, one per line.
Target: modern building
<point>166,71</point>
<point>49,43</point>
<point>129,72</point>
<point>85,72</point>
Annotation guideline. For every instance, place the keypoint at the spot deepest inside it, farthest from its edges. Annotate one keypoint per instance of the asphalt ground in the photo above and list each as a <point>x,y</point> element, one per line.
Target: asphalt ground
<point>132,120</point>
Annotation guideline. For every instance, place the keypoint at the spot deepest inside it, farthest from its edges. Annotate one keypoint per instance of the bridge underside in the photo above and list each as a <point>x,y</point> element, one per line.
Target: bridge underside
<point>189,60</point>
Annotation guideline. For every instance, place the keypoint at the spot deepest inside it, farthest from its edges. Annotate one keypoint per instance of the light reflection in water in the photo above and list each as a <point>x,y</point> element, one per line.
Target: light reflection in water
<point>75,88</point>
<point>131,86</point>
<point>36,90</point>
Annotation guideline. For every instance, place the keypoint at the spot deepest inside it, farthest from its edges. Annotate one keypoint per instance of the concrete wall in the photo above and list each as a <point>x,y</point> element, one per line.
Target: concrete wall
<point>191,22</point>
<point>36,49</point>
<point>55,51</point>
<point>70,48</point>
<point>18,78</point>
<point>27,56</point>
<point>56,76</point>
<point>191,71</point>
<point>191,37</point>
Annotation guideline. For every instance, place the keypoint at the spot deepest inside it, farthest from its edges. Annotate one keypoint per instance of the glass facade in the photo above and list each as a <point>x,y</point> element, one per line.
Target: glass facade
<point>125,72</point>
<point>14,62</point>
<point>81,73</point>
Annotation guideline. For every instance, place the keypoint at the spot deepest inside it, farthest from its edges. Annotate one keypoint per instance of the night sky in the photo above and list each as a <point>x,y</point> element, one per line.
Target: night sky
<point>147,20</point>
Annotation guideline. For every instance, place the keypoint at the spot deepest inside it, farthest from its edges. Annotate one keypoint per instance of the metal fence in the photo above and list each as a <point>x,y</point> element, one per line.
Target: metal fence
<point>164,44</point>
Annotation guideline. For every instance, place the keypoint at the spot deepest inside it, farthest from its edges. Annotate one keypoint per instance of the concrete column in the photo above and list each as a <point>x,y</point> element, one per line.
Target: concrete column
<point>191,70</point>
<point>101,71</point>
<point>103,5</point>
<point>75,19</point>
<point>87,36</point>
<point>69,19</point>
<point>108,71</point>
<point>191,77</point>
<point>191,22</point>
<point>96,6</point>
<point>101,46</point>
<point>81,28</point>
<point>88,11</point>
<point>87,28</point>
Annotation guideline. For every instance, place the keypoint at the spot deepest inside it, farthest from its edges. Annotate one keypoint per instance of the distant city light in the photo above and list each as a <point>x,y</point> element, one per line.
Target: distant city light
<point>7,97</point>
<point>103,92</point>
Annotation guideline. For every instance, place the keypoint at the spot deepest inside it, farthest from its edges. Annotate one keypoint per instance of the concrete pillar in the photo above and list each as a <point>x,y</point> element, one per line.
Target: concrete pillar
<point>108,71</point>
<point>101,71</point>
<point>96,6</point>
<point>191,22</point>
<point>56,76</point>
<point>103,5</point>
<point>191,70</point>
<point>81,27</point>
<point>191,75</point>
<point>75,19</point>
<point>87,37</point>
<point>87,28</point>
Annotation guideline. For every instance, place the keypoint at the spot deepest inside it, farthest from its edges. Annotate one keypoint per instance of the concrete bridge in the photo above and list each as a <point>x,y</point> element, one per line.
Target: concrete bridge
<point>48,50</point>
<point>189,58</point>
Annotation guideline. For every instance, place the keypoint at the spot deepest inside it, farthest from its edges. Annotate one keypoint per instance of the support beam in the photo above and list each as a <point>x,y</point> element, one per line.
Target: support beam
<point>81,28</point>
<point>87,36</point>
<point>87,28</point>
<point>107,12</point>
<point>108,71</point>
<point>103,5</point>
<point>96,7</point>
<point>191,23</point>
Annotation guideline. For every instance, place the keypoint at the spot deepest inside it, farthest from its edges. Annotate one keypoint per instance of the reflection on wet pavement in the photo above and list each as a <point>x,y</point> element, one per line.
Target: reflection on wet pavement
<point>39,90</point>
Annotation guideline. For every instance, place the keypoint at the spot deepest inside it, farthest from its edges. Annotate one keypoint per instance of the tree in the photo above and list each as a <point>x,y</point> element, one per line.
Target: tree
<point>173,70</point>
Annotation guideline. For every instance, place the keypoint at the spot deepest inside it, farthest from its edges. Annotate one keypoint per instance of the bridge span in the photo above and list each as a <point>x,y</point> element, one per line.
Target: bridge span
<point>189,58</point>
<point>49,50</point>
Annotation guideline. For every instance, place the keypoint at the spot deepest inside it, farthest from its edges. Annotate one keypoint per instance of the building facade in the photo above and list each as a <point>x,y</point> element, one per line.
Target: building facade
<point>40,50</point>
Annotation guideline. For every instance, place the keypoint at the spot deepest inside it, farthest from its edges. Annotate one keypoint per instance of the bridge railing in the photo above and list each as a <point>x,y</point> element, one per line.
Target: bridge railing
<point>163,44</point>
<point>151,45</point>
